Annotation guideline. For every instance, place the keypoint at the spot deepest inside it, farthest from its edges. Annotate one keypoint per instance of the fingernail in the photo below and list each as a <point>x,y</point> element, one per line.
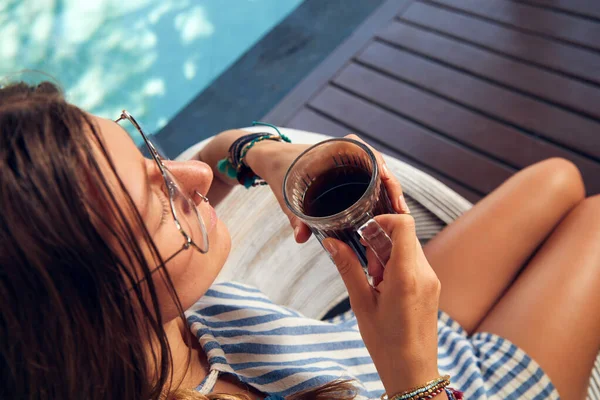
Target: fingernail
<point>296,232</point>
<point>403,206</point>
<point>331,247</point>
<point>385,171</point>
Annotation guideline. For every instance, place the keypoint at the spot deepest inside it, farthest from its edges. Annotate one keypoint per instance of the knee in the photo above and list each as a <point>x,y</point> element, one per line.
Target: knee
<point>589,210</point>
<point>561,178</point>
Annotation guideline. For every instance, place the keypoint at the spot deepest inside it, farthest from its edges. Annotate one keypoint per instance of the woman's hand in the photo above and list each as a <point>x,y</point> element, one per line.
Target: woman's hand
<point>271,160</point>
<point>398,318</point>
<point>268,159</point>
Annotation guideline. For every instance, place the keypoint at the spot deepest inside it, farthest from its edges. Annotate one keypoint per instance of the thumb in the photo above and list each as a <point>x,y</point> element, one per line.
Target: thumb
<point>350,270</point>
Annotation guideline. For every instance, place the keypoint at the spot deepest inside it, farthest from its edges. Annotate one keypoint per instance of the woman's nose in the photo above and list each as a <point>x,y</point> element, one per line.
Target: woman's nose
<point>192,175</point>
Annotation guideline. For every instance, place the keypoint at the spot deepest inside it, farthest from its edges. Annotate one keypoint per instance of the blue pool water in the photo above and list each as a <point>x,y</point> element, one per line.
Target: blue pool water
<point>150,57</point>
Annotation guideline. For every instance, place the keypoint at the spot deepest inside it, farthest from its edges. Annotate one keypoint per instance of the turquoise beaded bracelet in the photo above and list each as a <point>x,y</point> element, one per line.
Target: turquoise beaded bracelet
<point>234,166</point>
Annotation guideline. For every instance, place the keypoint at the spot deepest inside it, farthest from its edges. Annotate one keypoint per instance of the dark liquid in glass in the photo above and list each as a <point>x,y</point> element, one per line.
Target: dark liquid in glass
<point>335,191</point>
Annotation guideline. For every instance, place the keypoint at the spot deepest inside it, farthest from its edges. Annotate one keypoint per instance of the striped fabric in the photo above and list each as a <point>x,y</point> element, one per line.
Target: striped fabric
<point>311,284</point>
<point>280,352</point>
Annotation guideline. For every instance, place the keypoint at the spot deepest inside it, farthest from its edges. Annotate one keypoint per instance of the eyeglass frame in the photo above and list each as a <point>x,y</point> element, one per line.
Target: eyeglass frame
<point>189,242</point>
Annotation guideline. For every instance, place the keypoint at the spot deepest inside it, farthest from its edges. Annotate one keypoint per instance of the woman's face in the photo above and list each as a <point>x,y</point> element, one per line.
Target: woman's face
<point>192,272</point>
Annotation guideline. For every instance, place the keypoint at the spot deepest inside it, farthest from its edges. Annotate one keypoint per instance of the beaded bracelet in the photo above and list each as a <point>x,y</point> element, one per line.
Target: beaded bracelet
<point>425,391</point>
<point>235,166</point>
<point>453,394</point>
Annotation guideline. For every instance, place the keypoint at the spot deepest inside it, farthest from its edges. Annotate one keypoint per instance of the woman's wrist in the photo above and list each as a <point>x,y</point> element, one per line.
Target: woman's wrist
<point>265,156</point>
<point>435,386</point>
<point>216,150</point>
<point>404,371</point>
<point>404,380</point>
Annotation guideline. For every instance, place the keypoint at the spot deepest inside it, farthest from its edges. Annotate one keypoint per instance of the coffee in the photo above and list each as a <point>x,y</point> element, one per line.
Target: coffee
<point>336,190</point>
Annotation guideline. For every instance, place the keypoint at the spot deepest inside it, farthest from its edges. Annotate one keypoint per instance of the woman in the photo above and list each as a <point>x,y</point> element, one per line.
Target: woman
<point>95,277</point>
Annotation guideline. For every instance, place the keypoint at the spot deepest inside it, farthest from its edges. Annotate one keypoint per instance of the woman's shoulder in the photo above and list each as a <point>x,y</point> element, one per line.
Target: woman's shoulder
<point>274,348</point>
<point>233,303</point>
<point>225,298</point>
<point>233,291</point>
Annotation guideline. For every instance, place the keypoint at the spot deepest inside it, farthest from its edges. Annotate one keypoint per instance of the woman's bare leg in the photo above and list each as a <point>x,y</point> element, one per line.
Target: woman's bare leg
<point>552,310</point>
<point>477,257</point>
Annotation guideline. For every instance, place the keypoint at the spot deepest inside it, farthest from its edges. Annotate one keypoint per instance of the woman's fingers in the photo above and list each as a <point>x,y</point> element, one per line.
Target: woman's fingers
<point>395,193</point>
<point>392,184</point>
<point>352,274</point>
<point>374,266</point>
<point>302,233</point>
<point>403,260</point>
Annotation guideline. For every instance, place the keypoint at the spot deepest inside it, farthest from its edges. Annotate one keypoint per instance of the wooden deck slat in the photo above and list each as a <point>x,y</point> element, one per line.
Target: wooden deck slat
<point>294,101</point>
<point>522,77</point>
<point>408,138</point>
<point>468,95</point>
<point>570,60</point>
<point>483,134</point>
<point>584,8</point>
<point>308,119</point>
<point>532,19</point>
<point>542,119</point>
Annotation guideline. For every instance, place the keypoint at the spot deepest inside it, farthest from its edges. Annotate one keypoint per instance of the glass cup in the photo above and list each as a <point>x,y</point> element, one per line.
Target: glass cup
<point>335,188</point>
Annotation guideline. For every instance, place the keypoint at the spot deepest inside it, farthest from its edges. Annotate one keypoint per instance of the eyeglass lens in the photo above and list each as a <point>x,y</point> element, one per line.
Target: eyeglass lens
<point>187,217</point>
<point>186,212</point>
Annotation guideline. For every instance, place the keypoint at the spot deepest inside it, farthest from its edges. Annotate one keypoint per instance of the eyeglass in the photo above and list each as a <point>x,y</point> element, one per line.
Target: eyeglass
<point>181,204</point>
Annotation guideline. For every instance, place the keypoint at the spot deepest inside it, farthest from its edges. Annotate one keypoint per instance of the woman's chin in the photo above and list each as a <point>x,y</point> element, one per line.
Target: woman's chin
<point>222,241</point>
<point>219,246</point>
<point>201,271</point>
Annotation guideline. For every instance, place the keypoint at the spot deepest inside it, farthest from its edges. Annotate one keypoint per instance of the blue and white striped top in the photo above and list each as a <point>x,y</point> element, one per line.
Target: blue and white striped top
<point>279,352</point>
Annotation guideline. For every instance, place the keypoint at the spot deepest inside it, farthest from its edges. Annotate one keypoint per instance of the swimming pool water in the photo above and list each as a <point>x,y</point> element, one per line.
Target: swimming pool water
<point>150,57</point>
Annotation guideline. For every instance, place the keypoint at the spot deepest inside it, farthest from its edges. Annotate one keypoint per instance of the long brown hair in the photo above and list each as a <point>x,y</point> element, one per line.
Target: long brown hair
<point>68,323</point>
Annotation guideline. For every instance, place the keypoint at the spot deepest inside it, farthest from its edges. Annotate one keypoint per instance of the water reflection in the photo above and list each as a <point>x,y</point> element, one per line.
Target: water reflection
<point>148,56</point>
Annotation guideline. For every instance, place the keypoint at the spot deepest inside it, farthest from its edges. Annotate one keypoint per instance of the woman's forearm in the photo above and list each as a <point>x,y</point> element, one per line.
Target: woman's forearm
<point>261,159</point>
